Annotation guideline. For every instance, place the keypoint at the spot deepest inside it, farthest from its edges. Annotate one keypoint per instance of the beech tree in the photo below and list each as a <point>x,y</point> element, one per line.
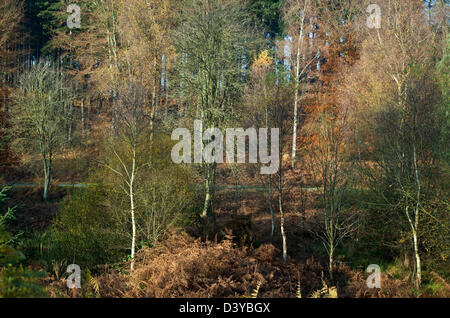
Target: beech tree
<point>334,172</point>
<point>146,48</point>
<point>213,42</point>
<point>39,115</point>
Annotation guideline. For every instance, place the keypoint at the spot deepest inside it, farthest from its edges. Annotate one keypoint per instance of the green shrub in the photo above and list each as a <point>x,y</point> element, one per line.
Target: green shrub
<point>84,232</point>
<point>17,281</point>
<point>164,193</point>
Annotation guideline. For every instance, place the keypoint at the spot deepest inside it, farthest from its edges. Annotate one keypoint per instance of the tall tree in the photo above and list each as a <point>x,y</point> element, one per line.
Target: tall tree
<point>297,17</point>
<point>10,15</point>
<point>332,169</point>
<point>146,48</point>
<point>259,110</point>
<point>212,42</point>
<point>126,159</point>
<point>39,114</point>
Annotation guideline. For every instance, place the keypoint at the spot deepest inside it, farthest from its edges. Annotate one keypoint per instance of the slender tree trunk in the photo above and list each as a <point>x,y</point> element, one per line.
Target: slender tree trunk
<point>297,82</point>
<point>112,48</point>
<point>417,256</point>
<point>415,238</point>
<point>331,260</point>
<point>46,186</point>
<point>283,233</point>
<point>280,205</point>
<point>208,212</point>
<point>272,213</point>
<point>279,120</point>
<point>166,95</point>
<point>155,100</point>
<point>132,210</point>
<point>69,125</point>
<point>416,221</point>
<point>269,177</point>
<point>294,133</point>
<point>47,175</point>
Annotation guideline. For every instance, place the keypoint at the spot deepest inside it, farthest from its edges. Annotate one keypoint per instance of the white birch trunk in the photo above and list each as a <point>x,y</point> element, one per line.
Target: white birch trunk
<point>132,209</point>
<point>297,82</point>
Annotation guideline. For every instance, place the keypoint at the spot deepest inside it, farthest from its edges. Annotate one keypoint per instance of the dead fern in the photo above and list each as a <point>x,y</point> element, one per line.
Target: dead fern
<point>317,293</point>
<point>93,284</point>
<point>325,291</point>
<point>255,292</point>
<point>299,291</point>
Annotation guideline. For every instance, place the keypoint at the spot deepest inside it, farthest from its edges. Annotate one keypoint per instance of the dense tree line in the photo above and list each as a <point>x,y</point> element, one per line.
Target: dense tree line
<point>362,113</point>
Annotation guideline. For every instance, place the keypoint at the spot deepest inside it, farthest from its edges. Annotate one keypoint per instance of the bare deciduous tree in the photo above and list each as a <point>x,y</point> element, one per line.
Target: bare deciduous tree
<point>335,175</point>
<point>297,15</point>
<point>127,159</point>
<point>213,41</point>
<point>39,115</point>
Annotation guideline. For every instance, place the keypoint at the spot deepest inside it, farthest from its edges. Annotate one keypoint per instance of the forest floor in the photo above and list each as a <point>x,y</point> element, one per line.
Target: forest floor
<point>234,265</point>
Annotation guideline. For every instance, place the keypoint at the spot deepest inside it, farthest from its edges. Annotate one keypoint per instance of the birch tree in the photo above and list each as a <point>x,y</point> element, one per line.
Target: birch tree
<point>259,112</point>
<point>126,157</point>
<point>297,14</point>
<point>281,99</point>
<point>395,115</point>
<point>279,121</point>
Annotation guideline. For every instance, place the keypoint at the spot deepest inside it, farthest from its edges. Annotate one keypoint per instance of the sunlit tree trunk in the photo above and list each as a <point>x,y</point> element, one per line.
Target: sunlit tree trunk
<point>132,208</point>
<point>414,222</point>
<point>47,161</point>
<point>210,183</point>
<point>297,84</point>
<point>280,205</point>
